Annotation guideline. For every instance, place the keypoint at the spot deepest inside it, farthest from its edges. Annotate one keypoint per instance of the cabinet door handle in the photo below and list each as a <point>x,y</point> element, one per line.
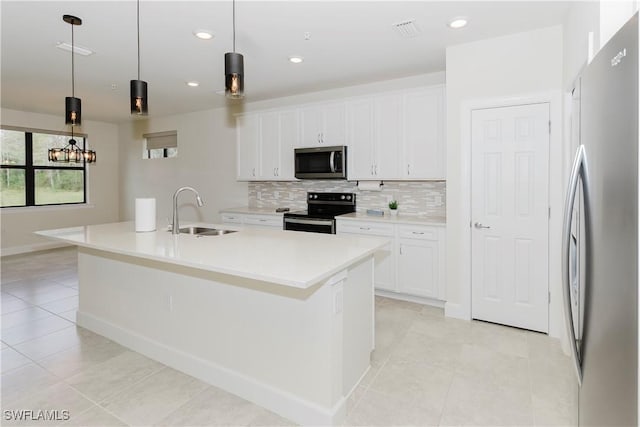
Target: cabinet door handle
<point>375,168</point>
<point>371,169</point>
<point>400,249</point>
<point>318,138</point>
<point>322,137</point>
<point>277,171</point>
<point>253,171</point>
<point>408,173</point>
<point>365,228</point>
<point>418,232</point>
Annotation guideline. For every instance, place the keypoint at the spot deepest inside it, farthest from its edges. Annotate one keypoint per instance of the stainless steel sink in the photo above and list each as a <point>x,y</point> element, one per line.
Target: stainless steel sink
<point>204,231</point>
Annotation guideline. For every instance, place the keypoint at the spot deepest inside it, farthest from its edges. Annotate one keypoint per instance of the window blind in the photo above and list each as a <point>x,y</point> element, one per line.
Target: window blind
<point>160,140</point>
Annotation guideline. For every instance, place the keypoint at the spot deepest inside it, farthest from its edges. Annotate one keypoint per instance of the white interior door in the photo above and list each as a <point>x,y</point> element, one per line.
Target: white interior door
<point>510,215</point>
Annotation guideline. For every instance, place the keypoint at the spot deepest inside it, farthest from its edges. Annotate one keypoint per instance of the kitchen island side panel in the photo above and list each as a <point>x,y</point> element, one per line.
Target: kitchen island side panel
<point>283,348</point>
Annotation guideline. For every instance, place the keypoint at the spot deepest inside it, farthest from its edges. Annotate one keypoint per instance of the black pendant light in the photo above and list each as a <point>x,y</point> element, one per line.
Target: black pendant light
<point>138,99</point>
<point>234,68</point>
<point>71,153</point>
<point>72,105</point>
<point>72,114</point>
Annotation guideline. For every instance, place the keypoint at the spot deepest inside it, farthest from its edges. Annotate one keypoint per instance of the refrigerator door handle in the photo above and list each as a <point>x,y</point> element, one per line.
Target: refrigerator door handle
<point>578,175</point>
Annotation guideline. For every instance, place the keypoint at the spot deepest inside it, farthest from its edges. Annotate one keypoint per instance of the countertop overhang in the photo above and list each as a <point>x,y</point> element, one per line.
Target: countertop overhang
<point>288,258</point>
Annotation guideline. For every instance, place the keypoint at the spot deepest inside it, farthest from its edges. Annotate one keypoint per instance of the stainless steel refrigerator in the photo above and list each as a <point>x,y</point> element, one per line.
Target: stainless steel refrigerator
<point>600,238</point>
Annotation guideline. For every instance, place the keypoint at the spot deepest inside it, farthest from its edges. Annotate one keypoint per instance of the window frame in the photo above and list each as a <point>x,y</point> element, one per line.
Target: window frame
<point>30,169</point>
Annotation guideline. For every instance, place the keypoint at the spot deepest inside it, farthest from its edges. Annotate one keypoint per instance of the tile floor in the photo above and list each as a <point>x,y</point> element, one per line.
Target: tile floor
<point>426,370</point>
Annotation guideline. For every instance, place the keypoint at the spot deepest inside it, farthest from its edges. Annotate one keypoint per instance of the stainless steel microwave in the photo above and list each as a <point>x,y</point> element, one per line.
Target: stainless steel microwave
<point>321,162</point>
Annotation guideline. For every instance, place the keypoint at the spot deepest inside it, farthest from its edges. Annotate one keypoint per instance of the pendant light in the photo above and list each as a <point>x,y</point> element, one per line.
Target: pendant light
<point>71,153</point>
<point>72,105</point>
<point>234,67</point>
<point>138,98</point>
<point>72,114</point>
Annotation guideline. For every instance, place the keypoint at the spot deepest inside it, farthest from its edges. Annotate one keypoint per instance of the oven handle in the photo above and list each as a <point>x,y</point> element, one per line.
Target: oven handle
<point>308,221</point>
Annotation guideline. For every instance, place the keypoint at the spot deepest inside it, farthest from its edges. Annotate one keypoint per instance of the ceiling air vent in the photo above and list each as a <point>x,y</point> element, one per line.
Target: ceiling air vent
<point>407,29</point>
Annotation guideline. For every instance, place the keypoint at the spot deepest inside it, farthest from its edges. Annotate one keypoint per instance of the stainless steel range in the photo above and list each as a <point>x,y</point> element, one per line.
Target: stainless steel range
<point>322,209</point>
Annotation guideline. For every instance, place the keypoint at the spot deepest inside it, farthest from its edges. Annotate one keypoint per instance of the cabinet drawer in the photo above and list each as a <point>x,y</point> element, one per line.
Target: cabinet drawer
<point>368,228</point>
<point>263,220</point>
<point>417,232</point>
<point>232,219</point>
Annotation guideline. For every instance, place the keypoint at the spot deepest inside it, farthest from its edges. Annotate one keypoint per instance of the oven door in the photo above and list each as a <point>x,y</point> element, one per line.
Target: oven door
<point>313,225</point>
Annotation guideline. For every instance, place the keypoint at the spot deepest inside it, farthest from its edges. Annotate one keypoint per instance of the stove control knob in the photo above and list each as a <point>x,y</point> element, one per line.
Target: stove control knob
<point>348,197</point>
<point>342,197</point>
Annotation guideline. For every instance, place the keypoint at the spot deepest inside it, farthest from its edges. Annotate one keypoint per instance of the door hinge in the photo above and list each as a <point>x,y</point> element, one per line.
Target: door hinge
<point>549,297</point>
<point>549,127</point>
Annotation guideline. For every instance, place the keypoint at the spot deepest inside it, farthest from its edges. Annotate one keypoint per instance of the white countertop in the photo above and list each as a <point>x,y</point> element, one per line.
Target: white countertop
<point>288,258</point>
<point>254,211</point>
<point>398,219</point>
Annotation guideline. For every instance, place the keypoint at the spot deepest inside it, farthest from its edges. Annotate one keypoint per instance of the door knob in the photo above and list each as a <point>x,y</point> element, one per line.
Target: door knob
<point>479,225</point>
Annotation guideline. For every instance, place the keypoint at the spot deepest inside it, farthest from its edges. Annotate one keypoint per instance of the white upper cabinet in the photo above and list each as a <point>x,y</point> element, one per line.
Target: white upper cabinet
<point>248,148</point>
<point>361,150</point>
<point>270,145</point>
<point>424,148</point>
<point>265,145</point>
<point>323,125</point>
<point>289,137</point>
<point>397,136</point>
<point>391,136</point>
<point>388,135</point>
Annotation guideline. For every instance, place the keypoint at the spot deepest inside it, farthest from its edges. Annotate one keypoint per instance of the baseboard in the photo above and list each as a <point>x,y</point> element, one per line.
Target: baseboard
<point>455,310</point>
<point>35,247</point>
<point>410,298</point>
<point>278,401</point>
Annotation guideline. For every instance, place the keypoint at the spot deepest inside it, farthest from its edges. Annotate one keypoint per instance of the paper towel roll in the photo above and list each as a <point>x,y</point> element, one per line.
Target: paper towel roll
<point>145,215</point>
<point>370,185</point>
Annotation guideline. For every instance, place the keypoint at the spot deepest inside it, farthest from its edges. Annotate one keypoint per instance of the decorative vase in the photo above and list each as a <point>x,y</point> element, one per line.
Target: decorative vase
<point>394,212</point>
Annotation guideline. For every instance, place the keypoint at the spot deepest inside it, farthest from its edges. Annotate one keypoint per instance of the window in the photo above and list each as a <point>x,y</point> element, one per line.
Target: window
<point>28,178</point>
<point>160,145</point>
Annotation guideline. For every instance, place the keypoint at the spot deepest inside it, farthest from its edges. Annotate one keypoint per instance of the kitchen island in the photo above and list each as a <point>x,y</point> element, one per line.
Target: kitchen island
<point>281,318</point>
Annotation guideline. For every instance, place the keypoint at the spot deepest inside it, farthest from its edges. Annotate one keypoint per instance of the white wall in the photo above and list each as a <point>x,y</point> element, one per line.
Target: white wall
<point>522,65</point>
<point>613,15</point>
<point>206,161</point>
<point>207,153</point>
<point>18,224</point>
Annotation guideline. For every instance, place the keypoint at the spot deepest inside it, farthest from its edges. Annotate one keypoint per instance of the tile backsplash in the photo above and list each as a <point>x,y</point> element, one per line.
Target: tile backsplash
<point>414,197</point>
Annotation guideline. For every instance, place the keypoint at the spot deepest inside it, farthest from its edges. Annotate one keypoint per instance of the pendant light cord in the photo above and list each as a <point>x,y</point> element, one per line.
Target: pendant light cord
<point>73,74</point>
<point>138,27</point>
<point>234,26</point>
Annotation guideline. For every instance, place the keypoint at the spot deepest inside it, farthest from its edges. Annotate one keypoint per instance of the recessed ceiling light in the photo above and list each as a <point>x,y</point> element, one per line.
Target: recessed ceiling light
<point>296,59</point>
<point>456,23</point>
<point>193,84</point>
<point>203,34</point>
<point>76,49</point>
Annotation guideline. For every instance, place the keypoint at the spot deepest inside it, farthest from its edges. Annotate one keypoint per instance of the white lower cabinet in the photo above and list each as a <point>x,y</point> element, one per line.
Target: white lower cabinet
<point>384,260</point>
<point>412,263</point>
<point>253,220</point>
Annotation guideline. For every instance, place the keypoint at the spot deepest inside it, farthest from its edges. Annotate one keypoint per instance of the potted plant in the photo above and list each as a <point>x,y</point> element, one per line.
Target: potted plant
<point>393,207</point>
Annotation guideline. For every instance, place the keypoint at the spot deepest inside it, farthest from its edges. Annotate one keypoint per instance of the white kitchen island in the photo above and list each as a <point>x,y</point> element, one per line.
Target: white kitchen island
<point>281,318</point>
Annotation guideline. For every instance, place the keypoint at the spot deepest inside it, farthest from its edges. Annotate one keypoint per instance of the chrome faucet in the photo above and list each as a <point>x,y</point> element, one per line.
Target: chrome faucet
<point>175,226</point>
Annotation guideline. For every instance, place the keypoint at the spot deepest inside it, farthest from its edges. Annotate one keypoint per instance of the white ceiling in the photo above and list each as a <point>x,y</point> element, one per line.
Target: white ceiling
<point>351,42</point>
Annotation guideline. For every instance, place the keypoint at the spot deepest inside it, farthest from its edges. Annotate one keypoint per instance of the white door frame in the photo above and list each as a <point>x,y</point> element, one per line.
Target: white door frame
<point>462,309</point>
